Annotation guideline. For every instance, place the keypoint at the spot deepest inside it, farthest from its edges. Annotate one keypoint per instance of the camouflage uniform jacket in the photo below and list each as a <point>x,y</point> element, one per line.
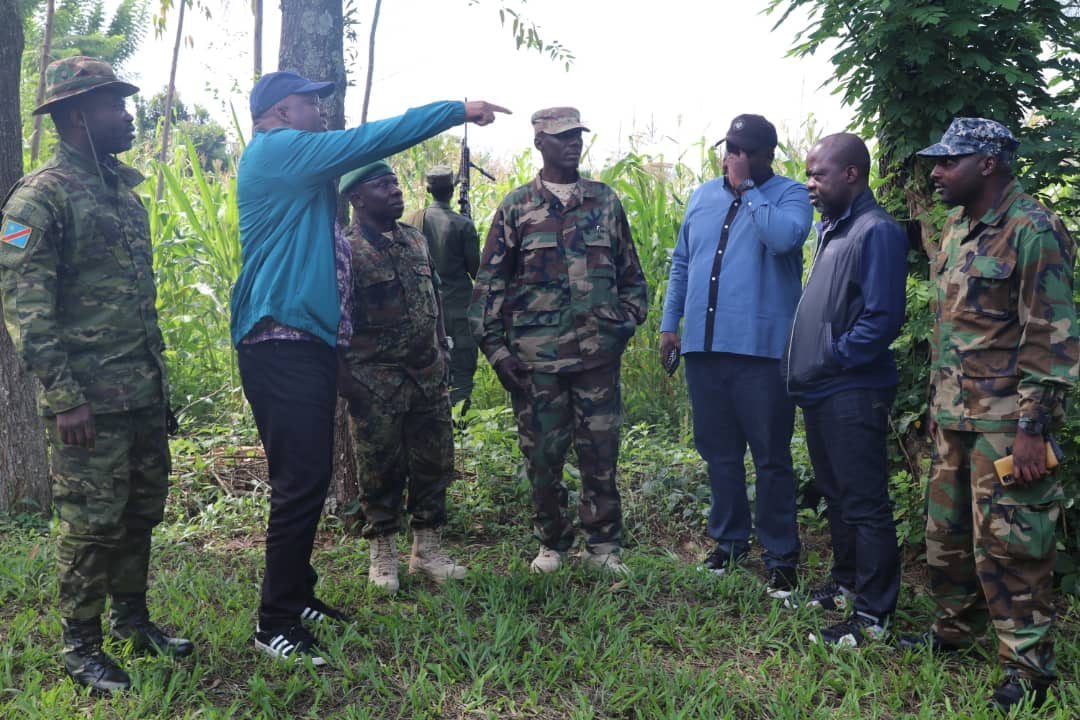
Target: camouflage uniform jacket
<point>453,242</point>
<point>395,312</point>
<point>78,288</point>
<point>1005,337</point>
<point>559,287</point>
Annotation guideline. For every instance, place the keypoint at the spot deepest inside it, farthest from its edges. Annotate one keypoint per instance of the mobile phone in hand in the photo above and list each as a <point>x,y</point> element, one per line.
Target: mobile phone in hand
<point>671,361</point>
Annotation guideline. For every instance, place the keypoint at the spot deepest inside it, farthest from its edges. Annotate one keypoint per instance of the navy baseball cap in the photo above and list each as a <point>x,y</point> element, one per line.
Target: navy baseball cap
<point>272,87</point>
<point>751,132</point>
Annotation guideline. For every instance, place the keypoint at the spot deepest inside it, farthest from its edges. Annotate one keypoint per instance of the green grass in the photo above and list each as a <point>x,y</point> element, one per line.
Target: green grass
<point>670,643</point>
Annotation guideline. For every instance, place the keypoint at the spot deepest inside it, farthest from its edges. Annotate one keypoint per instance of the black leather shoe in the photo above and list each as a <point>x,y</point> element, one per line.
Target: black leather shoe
<point>146,637</point>
<point>131,622</point>
<point>1016,690</point>
<point>86,662</point>
<point>932,641</point>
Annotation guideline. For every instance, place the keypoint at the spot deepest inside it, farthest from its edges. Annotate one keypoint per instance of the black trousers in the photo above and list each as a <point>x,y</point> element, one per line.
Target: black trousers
<point>845,434</point>
<point>292,388</point>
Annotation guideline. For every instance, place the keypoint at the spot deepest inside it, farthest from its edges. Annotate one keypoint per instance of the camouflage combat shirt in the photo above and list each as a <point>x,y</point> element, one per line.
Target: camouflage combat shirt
<point>77,285</point>
<point>1005,337</point>
<point>395,312</point>
<point>453,243</point>
<point>559,286</point>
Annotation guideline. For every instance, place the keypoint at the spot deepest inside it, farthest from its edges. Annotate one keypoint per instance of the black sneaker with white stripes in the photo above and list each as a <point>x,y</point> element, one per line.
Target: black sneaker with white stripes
<point>318,611</point>
<point>854,632</point>
<point>829,597</point>
<point>293,643</point>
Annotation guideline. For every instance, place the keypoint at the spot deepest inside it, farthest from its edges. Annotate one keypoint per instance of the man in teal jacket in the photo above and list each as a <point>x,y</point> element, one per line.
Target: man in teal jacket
<point>288,316</point>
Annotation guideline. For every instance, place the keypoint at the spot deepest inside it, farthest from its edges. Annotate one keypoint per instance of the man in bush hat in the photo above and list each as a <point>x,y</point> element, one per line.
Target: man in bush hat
<point>1004,359</point>
<point>559,293</point>
<point>736,275</point>
<point>290,315</point>
<point>455,248</point>
<point>395,378</point>
<point>77,288</point>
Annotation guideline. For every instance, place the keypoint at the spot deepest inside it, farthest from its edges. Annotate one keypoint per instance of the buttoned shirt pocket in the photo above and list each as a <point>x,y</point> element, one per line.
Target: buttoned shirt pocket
<point>541,258</point>
<point>598,254</point>
<point>535,334</point>
<point>379,301</point>
<point>988,382</point>
<point>425,290</point>
<point>987,287</point>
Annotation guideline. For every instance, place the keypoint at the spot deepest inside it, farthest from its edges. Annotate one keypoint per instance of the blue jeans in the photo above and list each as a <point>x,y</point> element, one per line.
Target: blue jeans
<point>845,434</point>
<point>737,401</point>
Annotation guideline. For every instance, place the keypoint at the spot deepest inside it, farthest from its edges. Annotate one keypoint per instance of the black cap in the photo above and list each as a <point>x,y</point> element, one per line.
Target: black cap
<point>751,132</point>
<point>272,87</point>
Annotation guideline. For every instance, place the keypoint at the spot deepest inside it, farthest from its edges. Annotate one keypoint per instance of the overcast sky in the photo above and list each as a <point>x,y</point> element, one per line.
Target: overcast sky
<point>669,72</point>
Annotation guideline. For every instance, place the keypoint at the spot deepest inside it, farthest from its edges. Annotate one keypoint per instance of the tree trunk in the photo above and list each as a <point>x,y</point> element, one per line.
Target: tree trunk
<point>370,60</point>
<point>167,117</point>
<point>24,470</point>
<point>257,11</point>
<point>312,44</point>
<point>46,50</point>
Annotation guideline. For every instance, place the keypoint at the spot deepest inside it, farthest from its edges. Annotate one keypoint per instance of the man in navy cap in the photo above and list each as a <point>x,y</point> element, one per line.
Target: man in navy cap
<point>735,279</point>
<point>289,316</point>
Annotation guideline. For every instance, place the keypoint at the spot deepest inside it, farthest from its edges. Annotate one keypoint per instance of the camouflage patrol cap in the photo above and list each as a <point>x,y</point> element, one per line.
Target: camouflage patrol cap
<point>557,120</point>
<point>74,76</point>
<point>440,175</point>
<point>970,136</point>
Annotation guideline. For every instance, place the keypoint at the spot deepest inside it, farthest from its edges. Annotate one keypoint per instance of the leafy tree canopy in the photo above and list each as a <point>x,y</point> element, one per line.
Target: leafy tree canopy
<point>908,68</point>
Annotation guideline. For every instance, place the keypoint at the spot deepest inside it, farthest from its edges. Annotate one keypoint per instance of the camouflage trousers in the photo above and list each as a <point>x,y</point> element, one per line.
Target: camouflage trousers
<point>462,361</point>
<point>404,444</point>
<point>990,550</point>
<point>586,408</point>
<point>109,499</point>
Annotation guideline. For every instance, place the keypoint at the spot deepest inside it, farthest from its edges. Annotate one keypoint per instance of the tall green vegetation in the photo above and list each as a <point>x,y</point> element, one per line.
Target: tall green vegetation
<point>79,28</point>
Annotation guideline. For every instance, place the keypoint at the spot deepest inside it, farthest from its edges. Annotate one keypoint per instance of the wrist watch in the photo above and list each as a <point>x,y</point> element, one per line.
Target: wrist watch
<point>746,184</point>
<point>1030,426</point>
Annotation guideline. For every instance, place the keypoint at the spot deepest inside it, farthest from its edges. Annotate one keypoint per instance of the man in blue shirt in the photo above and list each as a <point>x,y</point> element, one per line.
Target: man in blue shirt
<point>841,372</point>
<point>735,278</point>
<point>289,314</point>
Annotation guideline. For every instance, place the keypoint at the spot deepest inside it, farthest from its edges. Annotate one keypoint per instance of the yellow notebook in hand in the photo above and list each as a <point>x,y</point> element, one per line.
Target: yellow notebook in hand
<point>1004,466</point>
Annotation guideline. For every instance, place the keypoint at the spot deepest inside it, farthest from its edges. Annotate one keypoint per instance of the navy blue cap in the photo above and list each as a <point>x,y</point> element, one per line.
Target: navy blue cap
<point>273,87</point>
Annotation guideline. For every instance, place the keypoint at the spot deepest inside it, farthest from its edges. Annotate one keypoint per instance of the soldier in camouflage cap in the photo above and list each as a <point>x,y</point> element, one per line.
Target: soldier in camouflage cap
<point>77,288</point>
<point>1004,357</point>
<point>395,379</point>
<point>455,248</point>
<point>559,294</point>
<point>974,136</point>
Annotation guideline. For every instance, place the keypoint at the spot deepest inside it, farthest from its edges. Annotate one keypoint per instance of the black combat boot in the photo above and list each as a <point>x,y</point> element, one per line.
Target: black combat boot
<point>1016,690</point>
<point>85,661</point>
<point>130,620</point>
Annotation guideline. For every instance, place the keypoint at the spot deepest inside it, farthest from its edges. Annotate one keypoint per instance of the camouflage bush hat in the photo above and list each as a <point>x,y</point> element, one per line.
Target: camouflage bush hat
<point>556,120</point>
<point>440,175</point>
<point>74,76</point>
<point>364,173</point>
<point>971,136</point>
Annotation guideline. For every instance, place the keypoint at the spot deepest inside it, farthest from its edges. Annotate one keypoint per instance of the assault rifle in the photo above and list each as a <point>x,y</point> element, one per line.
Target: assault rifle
<point>463,175</point>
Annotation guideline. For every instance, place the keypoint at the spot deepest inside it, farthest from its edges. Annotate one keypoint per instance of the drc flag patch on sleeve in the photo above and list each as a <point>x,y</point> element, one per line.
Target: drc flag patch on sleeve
<point>15,234</point>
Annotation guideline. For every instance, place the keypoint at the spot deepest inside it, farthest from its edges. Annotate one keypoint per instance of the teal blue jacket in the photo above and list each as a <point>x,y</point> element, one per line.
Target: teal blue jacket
<point>287,200</point>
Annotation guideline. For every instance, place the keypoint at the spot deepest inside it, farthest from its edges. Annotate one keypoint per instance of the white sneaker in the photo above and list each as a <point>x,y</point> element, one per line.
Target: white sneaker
<point>605,561</point>
<point>547,560</point>
<point>429,557</point>
<point>383,568</point>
